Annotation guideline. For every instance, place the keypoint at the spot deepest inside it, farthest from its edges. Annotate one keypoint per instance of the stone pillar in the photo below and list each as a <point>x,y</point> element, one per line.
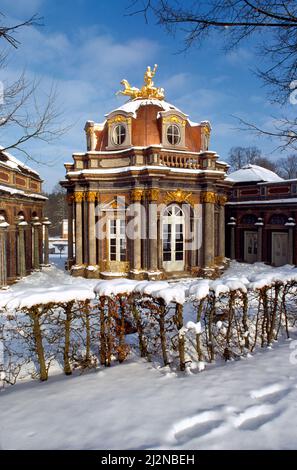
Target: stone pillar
<point>21,246</point>
<point>36,237</point>
<point>221,231</point>
<point>232,225</point>
<point>290,224</point>
<point>208,199</point>
<point>92,234</point>
<point>259,224</point>
<point>46,224</point>
<point>78,228</point>
<point>70,229</point>
<point>152,197</point>
<point>3,256</point>
<point>136,197</point>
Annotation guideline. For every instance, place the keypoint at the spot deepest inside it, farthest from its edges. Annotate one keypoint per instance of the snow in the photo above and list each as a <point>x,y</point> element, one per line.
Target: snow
<point>99,171</point>
<point>20,192</point>
<point>133,106</point>
<point>46,286</point>
<point>255,173</point>
<point>247,404</point>
<point>14,163</point>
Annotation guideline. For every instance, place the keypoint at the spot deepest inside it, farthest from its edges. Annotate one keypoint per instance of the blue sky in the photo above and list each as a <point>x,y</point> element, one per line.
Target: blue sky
<point>86,48</point>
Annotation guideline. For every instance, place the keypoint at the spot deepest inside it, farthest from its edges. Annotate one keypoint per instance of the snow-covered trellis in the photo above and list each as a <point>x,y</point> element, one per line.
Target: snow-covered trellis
<point>183,325</point>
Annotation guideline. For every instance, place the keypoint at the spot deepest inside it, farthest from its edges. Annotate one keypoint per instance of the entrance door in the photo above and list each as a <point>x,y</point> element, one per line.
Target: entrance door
<point>173,239</point>
<point>279,245</point>
<point>250,246</point>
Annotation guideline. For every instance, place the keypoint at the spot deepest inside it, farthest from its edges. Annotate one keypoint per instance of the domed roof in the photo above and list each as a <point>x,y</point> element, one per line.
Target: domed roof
<point>254,173</point>
<point>132,106</point>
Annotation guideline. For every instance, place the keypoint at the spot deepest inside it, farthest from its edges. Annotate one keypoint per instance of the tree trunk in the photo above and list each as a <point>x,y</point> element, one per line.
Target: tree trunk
<point>34,314</point>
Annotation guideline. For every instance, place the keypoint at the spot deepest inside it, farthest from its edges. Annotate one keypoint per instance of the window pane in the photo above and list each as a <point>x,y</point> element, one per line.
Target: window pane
<point>167,256</point>
<point>179,246</point>
<point>119,134</point>
<point>179,256</point>
<point>173,134</point>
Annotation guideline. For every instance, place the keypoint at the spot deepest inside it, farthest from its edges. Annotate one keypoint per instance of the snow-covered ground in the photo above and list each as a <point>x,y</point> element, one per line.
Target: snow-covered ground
<point>244,404</point>
<point>248,404</point>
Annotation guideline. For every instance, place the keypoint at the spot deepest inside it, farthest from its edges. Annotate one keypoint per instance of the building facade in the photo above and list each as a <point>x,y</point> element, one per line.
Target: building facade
<point>148,196</point>
<point>261,216</point>
<point>23,230</point>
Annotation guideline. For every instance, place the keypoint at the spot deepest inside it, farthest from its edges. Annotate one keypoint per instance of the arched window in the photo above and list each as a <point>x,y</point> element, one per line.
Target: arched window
<point>249,219</point>
<point>119,134</point>
<point>278,219</point>
<point>173,134</point>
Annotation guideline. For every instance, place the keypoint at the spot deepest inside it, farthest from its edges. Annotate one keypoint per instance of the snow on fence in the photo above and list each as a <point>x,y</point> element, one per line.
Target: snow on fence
<point>182,325</point>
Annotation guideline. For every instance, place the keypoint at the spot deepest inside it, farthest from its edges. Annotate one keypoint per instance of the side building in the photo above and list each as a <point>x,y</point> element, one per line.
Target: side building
<point>261,217</point>
<point>23,229</point>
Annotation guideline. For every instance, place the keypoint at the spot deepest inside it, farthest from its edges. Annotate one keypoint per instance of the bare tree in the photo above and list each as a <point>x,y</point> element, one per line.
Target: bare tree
<point>272,22</point>
<point>24,111</point>
<point>288,166</point>
<point>241,156</point>
<point>8,32</point>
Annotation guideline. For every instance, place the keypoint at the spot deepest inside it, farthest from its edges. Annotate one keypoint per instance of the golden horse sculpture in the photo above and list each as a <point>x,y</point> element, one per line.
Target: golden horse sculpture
<point>147,91</point>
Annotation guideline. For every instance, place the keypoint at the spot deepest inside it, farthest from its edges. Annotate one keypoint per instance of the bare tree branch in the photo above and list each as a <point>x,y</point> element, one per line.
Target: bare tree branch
<point>7,32</point>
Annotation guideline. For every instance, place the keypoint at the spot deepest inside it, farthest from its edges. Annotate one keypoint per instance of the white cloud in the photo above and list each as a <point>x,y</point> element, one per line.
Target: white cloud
<point>87,70</point>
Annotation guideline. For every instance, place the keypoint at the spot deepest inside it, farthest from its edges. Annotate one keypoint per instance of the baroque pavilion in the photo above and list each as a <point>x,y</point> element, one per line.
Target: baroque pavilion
<point>149,167</point>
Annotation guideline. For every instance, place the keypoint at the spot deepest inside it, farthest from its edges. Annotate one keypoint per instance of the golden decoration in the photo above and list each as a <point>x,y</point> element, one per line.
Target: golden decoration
<point>91,196</point>
<point>178,196</point>
<point>136,194</point>
<point>207,196</point>
<point>70,198</point>
<point>175,120</point>
<point>222,200</point>
<point>78,196</point>
<point>119,119</point>
<point>148,90</point>
<point>206,136</point>
<point>90,130</point>
<point>153,194</point>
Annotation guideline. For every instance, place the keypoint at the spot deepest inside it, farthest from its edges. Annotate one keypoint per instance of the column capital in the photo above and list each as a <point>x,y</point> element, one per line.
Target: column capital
<point>153,194</point>
<point>3,223</point>
<point>208,197</point>
<point>91,196</point>
<point>136,194</point>
<point>78,196</point>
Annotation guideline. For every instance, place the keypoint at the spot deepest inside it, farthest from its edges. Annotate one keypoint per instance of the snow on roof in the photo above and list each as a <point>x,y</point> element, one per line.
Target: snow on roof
<point>249,173</point>
<point>13,162</point>
<point>133,106</point>
<point>20,192</point>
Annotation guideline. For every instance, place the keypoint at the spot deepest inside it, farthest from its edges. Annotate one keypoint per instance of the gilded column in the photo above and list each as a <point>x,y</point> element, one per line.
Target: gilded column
<point>46,225</point>
<point>3,256</point>
<point>152,197</point>
<point>208,200</point>
<point>21,247</point>
<point>78,198</point>
<point>136,197</point>
<point>221,232</point>
<point>91,196</point>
